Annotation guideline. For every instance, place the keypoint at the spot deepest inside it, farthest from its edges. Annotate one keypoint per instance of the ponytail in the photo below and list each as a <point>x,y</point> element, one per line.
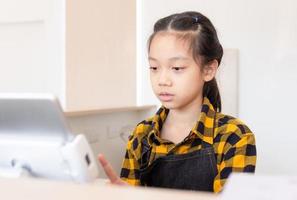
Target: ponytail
<point>211,91</point>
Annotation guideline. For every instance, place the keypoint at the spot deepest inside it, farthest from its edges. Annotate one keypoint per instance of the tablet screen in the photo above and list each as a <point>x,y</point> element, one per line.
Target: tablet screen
<point>39,116</point>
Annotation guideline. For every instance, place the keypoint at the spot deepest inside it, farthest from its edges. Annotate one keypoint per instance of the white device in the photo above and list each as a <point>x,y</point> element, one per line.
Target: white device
<point>35,141</point>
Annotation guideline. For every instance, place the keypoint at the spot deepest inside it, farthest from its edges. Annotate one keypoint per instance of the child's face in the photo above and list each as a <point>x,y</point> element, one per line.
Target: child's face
<point>177,80</point>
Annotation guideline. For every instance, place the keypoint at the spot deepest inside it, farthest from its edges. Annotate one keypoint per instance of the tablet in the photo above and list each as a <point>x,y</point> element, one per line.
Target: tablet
<point>35,140</point>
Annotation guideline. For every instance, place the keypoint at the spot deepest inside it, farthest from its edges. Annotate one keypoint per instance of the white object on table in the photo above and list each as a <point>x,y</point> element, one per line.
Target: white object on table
<point>245,186</point>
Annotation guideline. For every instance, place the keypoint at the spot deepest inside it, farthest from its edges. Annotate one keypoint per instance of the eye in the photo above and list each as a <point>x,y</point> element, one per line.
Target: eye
<point>153,68</point>
<point>178,69</point>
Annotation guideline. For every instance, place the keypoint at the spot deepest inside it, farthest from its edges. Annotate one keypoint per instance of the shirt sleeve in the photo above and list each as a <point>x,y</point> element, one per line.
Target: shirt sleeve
<point>130,166</point>
<point>239,156</point>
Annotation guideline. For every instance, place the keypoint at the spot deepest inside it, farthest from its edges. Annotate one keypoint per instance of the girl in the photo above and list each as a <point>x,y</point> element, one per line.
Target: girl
<point>189,143</point>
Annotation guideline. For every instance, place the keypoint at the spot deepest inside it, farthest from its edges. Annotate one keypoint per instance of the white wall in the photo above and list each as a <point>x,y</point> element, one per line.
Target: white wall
<point>265,34</point>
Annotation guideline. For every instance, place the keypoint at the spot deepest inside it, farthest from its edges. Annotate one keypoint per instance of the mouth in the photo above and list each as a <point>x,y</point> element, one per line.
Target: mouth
<point>165,97</point>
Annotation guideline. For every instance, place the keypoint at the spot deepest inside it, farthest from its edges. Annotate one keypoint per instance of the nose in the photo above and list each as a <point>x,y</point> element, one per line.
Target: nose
<point>164,79</point>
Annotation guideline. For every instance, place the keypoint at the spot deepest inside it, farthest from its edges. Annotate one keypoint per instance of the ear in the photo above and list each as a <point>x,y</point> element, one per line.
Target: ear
<point>210,70</point>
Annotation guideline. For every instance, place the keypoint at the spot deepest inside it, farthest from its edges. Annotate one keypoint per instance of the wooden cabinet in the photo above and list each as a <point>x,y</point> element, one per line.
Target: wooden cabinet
<point>100,54</point>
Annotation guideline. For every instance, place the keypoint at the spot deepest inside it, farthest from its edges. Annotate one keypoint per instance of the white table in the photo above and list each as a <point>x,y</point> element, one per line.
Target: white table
<point>37,189</point>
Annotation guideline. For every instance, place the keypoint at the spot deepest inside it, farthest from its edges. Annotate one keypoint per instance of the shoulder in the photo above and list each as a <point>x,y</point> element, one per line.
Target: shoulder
<point>231,129</point>
<point>141,130</point>
<point>234,144</point>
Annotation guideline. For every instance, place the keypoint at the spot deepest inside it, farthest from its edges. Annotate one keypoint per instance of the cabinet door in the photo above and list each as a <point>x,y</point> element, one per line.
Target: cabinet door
<point>30,46</point>
<point>100,54</point>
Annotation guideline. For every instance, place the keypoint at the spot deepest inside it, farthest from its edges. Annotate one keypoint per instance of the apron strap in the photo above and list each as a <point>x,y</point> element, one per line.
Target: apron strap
<point>145,153</point>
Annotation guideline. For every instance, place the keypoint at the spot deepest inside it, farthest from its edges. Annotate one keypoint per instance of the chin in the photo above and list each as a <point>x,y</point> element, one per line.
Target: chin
<point>170,105</point>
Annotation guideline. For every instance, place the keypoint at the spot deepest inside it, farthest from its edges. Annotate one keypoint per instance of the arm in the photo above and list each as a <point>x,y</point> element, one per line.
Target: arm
<point>239,155</point>
<point>130,167</point>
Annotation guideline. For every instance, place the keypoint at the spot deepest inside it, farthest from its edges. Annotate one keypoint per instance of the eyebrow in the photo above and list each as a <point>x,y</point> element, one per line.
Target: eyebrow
<point>172,58</point>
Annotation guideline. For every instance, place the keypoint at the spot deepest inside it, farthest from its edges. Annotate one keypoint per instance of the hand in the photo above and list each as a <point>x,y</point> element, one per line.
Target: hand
<point>113,177</point>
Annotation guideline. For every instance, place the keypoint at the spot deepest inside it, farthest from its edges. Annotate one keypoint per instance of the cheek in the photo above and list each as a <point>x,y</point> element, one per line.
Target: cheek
<point>190,85</point>
<point>190,80</point>
<point>153,80</point>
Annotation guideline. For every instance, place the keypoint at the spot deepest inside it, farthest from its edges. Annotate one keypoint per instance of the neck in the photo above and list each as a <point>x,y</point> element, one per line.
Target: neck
<point>186,115</point>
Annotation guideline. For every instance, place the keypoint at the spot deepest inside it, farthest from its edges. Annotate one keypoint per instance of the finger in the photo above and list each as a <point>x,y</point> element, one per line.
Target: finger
<point>113,177</point>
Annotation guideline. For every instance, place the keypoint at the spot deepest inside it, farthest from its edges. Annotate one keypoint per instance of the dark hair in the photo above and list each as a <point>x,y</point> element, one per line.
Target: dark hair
<point>204,44</point>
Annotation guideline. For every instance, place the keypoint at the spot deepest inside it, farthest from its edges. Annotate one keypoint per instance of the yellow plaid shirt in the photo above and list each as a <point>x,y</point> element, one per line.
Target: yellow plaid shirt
<point>232,140</point>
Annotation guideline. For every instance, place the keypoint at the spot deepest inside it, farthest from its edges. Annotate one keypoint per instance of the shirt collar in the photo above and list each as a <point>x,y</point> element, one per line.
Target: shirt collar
<point>204,127</point>
<point>157,123</point>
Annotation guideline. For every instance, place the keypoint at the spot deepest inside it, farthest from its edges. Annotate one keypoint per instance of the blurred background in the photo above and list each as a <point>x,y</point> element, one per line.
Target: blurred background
<point>92,55</point>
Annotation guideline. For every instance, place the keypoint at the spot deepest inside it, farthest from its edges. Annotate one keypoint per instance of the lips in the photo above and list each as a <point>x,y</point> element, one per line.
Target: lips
<point>166,97</point>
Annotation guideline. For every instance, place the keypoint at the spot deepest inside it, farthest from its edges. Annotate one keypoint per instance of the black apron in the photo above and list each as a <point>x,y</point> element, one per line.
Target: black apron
<point>192,171</point>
